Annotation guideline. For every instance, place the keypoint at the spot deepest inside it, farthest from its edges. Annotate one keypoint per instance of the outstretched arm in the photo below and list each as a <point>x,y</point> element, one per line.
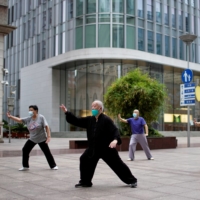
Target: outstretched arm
<point>76,121</point>
<point>17,119</point>
<point>146,130</point>
<point>122,120</point>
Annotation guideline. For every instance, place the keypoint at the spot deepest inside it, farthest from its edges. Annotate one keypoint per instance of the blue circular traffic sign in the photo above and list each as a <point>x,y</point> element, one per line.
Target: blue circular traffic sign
<point>187,76</point>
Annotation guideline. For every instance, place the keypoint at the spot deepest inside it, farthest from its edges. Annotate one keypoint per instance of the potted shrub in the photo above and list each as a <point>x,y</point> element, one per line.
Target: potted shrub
<point>137,90</point>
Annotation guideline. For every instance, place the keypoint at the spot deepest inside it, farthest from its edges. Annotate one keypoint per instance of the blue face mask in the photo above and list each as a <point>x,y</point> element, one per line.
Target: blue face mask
<point>95,112</point>
<point>134,115</point>
<point>30,113</point>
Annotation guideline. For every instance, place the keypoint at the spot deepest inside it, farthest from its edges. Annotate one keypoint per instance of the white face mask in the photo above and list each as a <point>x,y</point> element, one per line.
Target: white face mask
<point>30,113</point>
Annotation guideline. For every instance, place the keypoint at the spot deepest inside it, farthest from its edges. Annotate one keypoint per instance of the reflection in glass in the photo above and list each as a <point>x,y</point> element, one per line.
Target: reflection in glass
<point>79,7</point>
<point>118,6</point>
<point>167,45</point>
<point>180,14</point>
<point>104,35</point>
<point>90,19</point>
<point>158,13</point>
<point>174,17</point>
<point>90,36</point>
<point>79,37</point>
<point>130,20</point>
<point>158,43</point>
<point>118,18</point>
<point>104,6</point>
<point>130,37</point>
<point>181,49</point>
<point>90,6</point>
<point>104,17</point>
<point>118,36</point>
<point>166,14</point>
<point>187,15</point>
<point>79,21</point>
<point>140,8</point>
<point>149,10</point>
<point>174,52</point>
<point>130,7</point>
<point>150,42</point>
<point>140,39</point>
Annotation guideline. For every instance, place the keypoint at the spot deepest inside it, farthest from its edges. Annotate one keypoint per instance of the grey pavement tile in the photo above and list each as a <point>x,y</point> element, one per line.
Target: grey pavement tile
<point>189,184</point>
<point>173,197</point>
<point>8,195</point>
<point>114,197</point>
<point>171,189</point>
<point>144,194</point>
<point>195,194</point>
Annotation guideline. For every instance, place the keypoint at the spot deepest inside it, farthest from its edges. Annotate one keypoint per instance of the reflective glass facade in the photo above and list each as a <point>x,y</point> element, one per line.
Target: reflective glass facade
<point>48,28</point>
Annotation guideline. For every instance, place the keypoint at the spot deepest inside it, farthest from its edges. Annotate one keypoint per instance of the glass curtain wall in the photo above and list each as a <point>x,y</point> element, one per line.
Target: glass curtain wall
<point>83,82</point>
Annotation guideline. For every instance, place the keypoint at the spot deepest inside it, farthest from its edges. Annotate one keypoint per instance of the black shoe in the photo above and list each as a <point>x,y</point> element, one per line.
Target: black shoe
<point>79,185</point>
<point>133,185</point>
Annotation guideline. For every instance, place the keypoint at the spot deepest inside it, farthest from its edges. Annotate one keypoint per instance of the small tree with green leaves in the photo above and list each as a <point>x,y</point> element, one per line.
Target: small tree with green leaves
<point>136,90</point>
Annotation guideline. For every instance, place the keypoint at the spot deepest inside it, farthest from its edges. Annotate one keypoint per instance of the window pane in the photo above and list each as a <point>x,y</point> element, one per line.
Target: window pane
<point>118,36</point>
<point>174,52</point>
<point>130,37</point>
<point>140,39</point>
<point>130,7</point>
<point>174,17</point>
<point>118,18</point>
<point>180,20</point>
<point>79,7</point>
<point>166,10</point>
<point>90,6</point>
<point>104,18</point>
<point>149,10</point>
<point>158,13</point>
<point>167,46</point>
<point>79,38</point>
<point>140,8</point>
<point>181,49</point>
<point>79,21</point>
<point>118,6</point>
<point>187,22</point>
<point>130,20</point>
<point>104,6</point>
<point>150,42</point>
<point>104,35</point>
<point>90,36</point>
<point>159,44</point>
<point>90,19</point>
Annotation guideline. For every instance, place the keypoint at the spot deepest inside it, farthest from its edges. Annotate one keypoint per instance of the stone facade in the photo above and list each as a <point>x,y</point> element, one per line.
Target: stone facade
<point>3,15</point>
<point>4,2</point>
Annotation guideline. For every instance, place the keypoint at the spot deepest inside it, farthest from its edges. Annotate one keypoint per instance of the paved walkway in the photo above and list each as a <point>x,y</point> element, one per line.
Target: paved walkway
<point>173,175</point>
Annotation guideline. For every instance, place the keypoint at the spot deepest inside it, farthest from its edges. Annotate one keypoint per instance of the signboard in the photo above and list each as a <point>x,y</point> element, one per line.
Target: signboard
<point>187,76</point>
<point>187,94</point>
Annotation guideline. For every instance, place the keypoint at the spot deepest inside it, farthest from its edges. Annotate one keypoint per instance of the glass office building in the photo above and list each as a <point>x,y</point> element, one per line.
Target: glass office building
<point>70,51</point>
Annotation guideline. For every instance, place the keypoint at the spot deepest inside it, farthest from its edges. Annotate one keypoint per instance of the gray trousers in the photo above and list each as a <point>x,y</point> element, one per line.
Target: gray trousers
<point>138,138</point>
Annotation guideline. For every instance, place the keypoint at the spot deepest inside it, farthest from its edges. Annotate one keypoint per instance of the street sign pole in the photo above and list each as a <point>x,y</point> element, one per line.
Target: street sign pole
<point>188,108</point>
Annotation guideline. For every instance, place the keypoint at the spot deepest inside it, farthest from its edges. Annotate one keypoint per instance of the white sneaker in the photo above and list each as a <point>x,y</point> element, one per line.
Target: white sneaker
<point>129,159</point>
<point>23,169</point>
<point>151,158</point>
<point>55,168</point>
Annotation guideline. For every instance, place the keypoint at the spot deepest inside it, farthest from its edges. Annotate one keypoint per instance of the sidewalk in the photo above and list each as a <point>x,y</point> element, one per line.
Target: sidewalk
<point>173,175</point>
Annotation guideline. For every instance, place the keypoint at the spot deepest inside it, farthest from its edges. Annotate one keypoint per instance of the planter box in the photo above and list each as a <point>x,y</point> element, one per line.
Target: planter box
<point>154,143</point>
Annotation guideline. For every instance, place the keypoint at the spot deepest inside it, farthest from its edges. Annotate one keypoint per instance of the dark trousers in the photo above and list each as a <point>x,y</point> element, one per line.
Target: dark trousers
<point>43,146</point>
<point>111,158</point>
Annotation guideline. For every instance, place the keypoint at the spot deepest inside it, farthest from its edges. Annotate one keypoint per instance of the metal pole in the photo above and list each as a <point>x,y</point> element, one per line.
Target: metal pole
<point>188,108</point>
<point>9,132</point>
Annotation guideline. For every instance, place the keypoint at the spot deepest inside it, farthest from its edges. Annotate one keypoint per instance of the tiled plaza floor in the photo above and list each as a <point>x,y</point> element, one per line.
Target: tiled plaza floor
<point>173,175</point>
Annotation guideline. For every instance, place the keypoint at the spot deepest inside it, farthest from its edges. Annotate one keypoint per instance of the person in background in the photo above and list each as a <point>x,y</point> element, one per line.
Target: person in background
<point>137,124</point>
<point>103,136</point>
<point>39,134</point>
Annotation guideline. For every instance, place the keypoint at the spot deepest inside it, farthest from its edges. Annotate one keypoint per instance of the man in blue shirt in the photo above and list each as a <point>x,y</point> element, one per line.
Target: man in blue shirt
<point>137,124</point>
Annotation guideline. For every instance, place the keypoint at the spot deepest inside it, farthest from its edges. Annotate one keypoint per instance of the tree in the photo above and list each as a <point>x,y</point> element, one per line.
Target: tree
<point>135,90</point>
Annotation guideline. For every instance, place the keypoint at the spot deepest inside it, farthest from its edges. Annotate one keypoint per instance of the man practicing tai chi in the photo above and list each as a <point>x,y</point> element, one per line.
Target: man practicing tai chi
<point>137,124</point>
<point>103,136</point>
